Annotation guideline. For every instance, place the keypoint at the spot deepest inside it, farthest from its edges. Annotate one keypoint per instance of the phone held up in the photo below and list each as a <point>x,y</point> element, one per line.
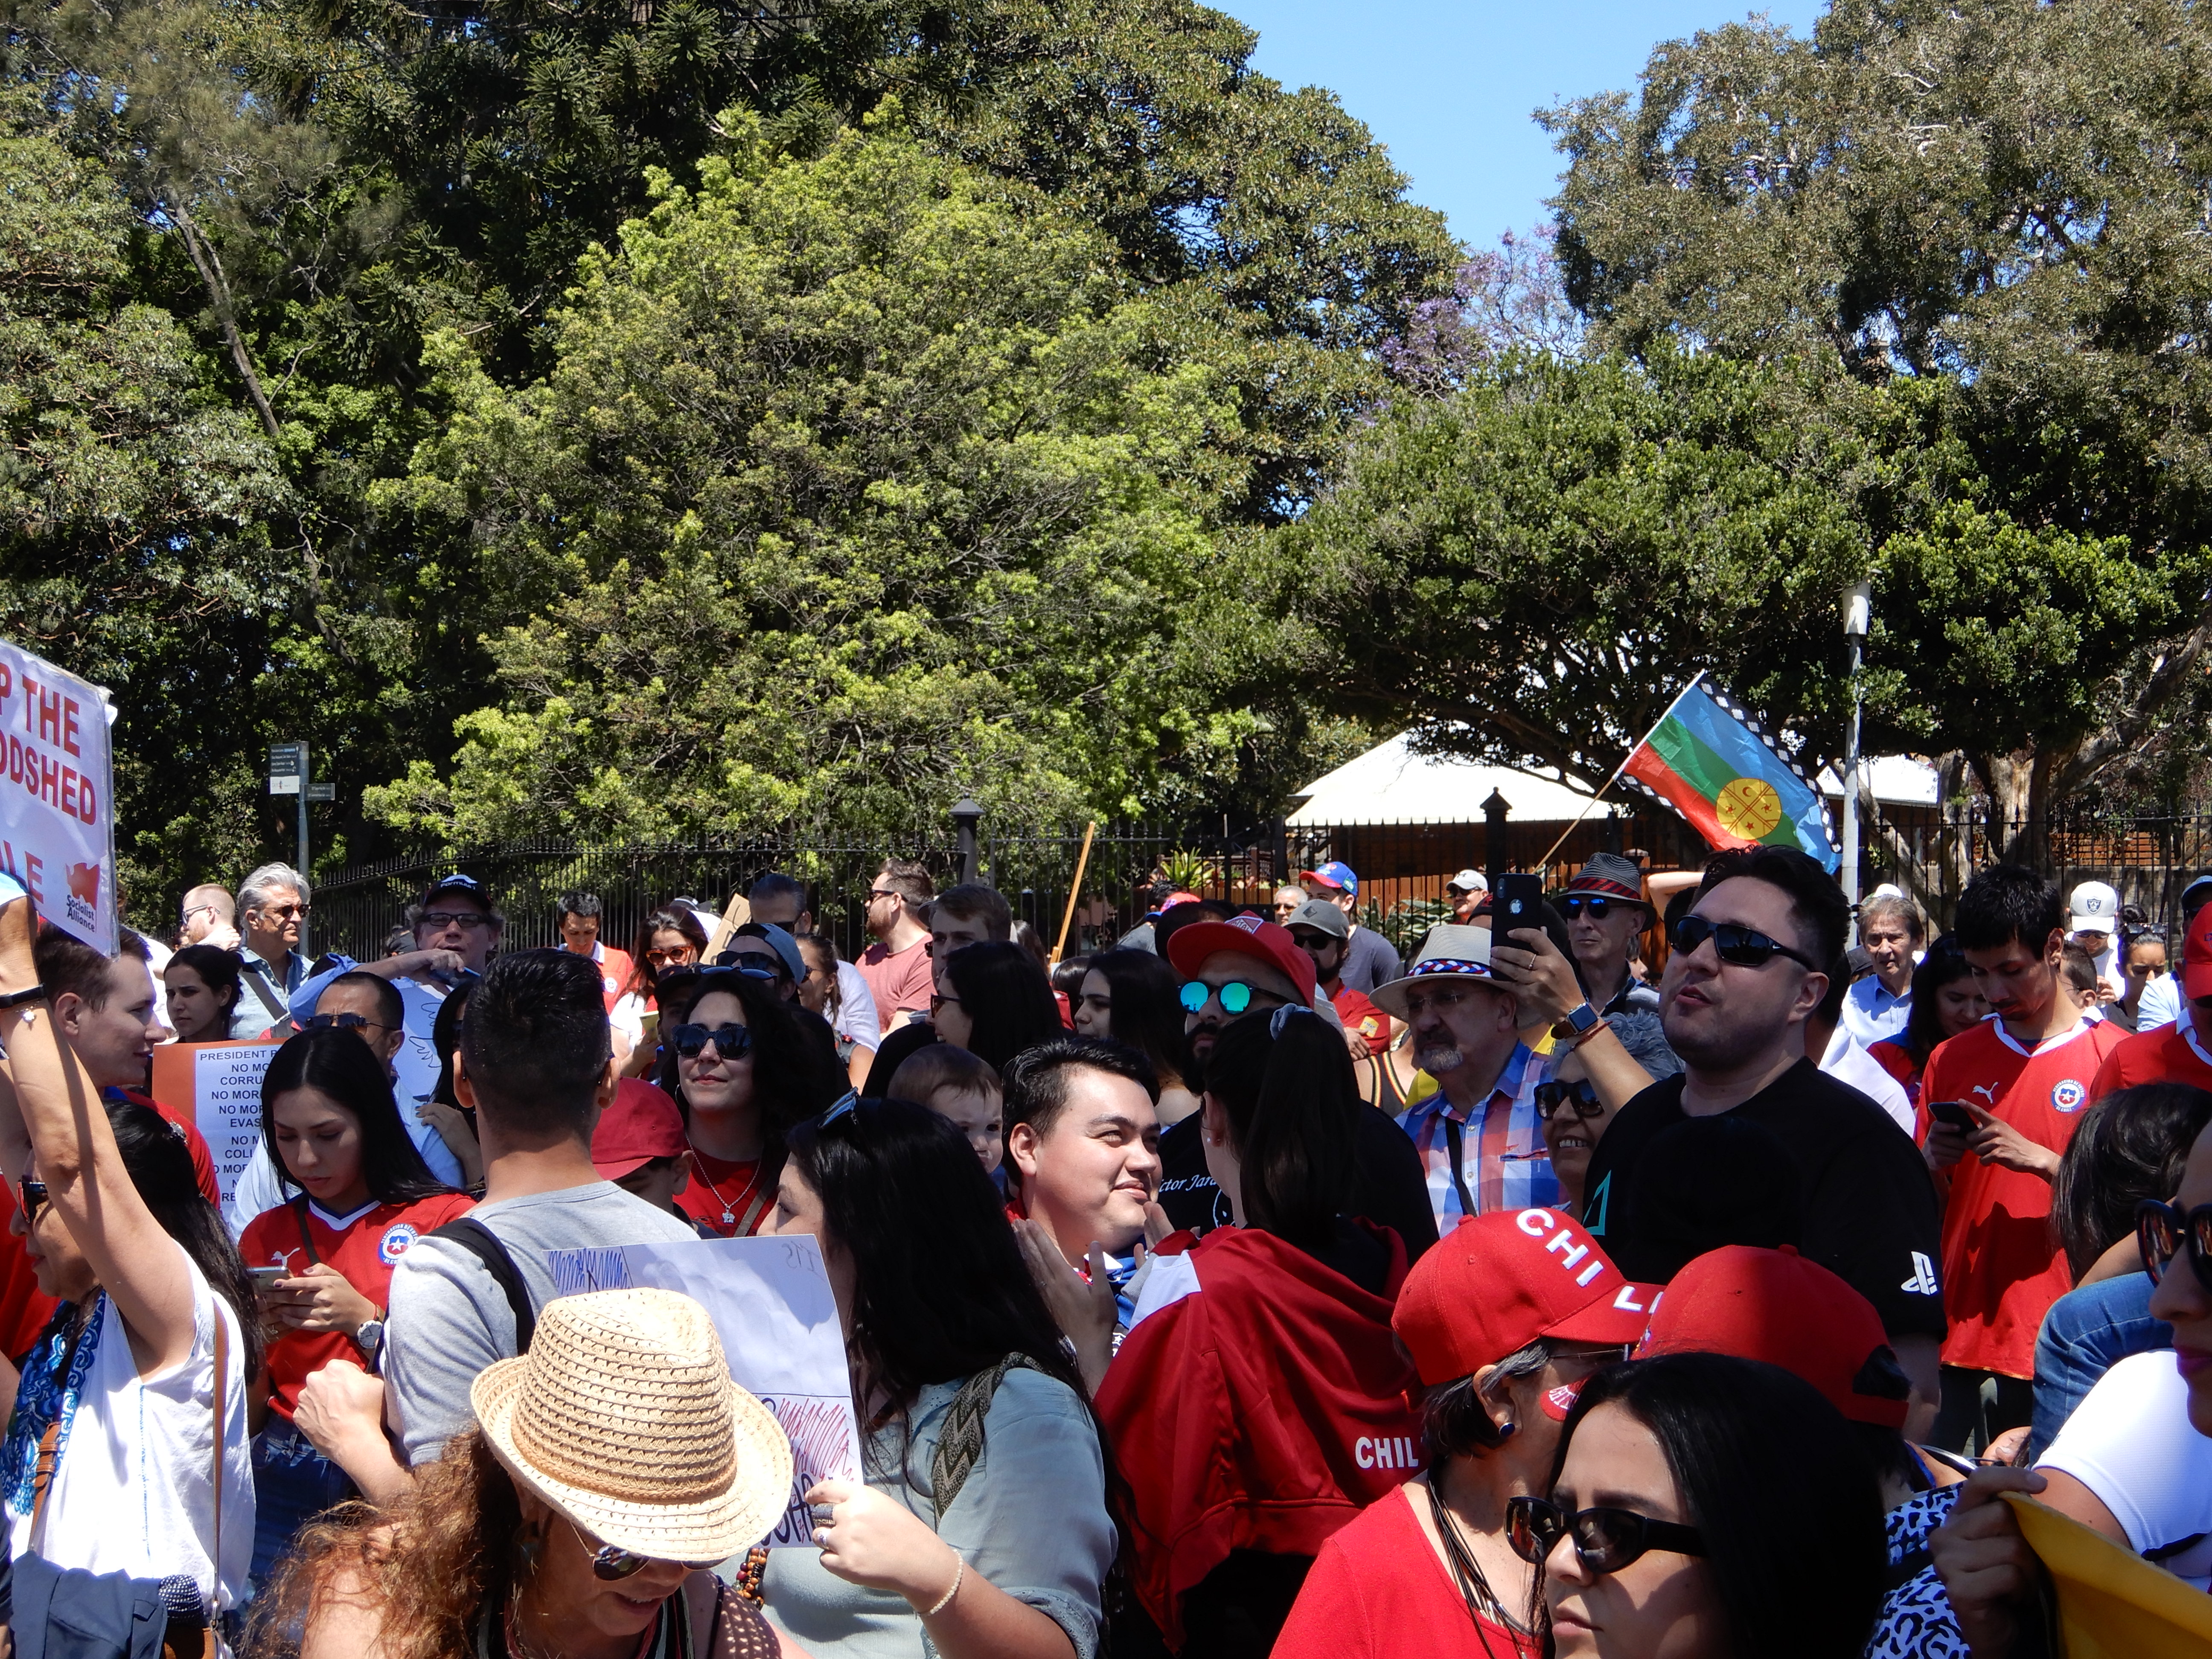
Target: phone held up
<point>1515,901</point>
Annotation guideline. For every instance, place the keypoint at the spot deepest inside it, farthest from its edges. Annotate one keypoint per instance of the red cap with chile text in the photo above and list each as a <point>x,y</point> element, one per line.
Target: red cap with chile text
<point>1497,1282</point>
<point>1775,1306</point>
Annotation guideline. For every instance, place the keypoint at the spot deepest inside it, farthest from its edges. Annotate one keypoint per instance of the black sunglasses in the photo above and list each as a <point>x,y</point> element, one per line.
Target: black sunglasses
<point>32,1195</point>
<point>1747,947</point>
<point>1597,904</point>
<point>1550,1096</point>
<point>1605,1540</point>
<point>2162,1230</point>
<point>343,1023</point>
<point>731,1042</point>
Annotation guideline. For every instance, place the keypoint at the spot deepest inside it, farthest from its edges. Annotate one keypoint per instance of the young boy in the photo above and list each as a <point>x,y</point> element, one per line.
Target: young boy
<point>639,1144</point>
<point>955,1085</point>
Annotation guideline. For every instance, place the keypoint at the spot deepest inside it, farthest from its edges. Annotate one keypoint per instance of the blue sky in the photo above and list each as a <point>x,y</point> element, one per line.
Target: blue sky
<point>1449,87</point>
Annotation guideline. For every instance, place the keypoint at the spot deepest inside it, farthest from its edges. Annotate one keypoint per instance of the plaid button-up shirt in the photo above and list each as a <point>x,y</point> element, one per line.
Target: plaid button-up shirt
<point>1494,1159</point>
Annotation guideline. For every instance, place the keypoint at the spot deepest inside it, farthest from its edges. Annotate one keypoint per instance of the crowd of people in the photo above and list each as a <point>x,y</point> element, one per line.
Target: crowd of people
<point>1241,1288</point>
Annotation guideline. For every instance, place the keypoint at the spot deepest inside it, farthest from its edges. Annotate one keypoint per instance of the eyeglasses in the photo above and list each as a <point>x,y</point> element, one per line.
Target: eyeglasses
<point>281,912</point>
<point>32,1196</point>
<point>2160,1232</point>
<point>441,920</point>
<point>937,1003</point>
<point>846,1105</point>
<point>1605,1540</point>
<point>1746,947</point>
<point>1597,904</point>
<point>1550,1096</point>
<point>882,892</point>
<point>192,910</point>
<point>731,1042</point>
<point>344,1023</point>
<point>1235,996</point>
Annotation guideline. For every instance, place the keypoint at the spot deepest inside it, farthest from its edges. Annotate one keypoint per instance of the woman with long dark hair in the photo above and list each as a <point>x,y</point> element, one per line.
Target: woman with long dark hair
<point>982,1524</point>
<point>669,940</point>
<point>1946,1001</point>
<point>1665,1533</point>
<point>357,1195</point>
<point>1129,997</point>
<point>1231,1494</point>
<point>992,1000</point>
<point>745,1066</point>
<point>127,1449</point>
<point>203,988</point>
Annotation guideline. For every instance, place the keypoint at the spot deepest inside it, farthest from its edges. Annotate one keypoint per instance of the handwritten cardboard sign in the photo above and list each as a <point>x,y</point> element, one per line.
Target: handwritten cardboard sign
<point>57,795</point>
<point>220,1084</point>
<point>770,1301</point>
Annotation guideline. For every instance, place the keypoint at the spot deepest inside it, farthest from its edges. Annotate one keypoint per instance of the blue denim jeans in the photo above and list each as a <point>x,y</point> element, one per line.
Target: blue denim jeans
<point>293,1483</point>
<point>2084,1335</point>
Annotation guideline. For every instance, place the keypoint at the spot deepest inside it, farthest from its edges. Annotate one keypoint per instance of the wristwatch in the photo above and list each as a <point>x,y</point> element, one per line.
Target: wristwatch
<point>1581,1020</point>
<point>368,1338</point>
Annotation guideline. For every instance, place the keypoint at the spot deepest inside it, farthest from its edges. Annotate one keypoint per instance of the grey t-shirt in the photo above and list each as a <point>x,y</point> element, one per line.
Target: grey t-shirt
<point>1370,961</point>
<point>449,1319</point>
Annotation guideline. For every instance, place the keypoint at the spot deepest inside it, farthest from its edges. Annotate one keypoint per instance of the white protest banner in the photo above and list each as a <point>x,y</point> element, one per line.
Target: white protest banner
<point>57,799</point>
<point>219,1083</point>
<point>770,1301</point>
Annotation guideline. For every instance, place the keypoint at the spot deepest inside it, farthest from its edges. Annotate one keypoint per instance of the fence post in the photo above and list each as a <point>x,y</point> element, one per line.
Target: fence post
<point>966,814</point>
<point>1494,811</point>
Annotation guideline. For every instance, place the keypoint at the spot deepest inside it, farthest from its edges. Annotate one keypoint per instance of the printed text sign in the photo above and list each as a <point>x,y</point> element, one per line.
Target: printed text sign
<point>57,802</point>
<point>220,1083</point>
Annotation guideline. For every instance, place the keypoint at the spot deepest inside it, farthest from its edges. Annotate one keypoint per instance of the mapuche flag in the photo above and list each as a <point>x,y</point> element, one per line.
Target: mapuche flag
<point>1710,760</point>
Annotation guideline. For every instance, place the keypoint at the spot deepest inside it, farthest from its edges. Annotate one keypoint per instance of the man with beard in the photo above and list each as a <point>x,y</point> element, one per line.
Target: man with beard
<point>1480,1141</point>
<point>1744,977</point>
<point>1248,967</point>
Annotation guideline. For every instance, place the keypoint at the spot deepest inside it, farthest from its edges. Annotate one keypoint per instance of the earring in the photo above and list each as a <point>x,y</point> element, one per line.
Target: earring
<point>529,1547</point>
<point>1507,1431</point>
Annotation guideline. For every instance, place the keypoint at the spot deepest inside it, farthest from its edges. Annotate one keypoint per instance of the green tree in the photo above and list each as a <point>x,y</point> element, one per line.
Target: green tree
<point>849,491</point>
<point>2003,201</point>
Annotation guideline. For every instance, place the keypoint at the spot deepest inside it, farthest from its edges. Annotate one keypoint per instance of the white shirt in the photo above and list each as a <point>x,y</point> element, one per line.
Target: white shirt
<point>2132,1443</point>
<point>2160,1003</point>
<point>134,1488</point>
<point>1847,1062</point>
<point>1872,1015</point>
<point>856,1009</point>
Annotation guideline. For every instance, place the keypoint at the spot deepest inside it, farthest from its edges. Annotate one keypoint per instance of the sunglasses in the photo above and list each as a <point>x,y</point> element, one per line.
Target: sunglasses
<point>846,1105</point>
<point>1597,904</point>
<point>731,1042</point>
<point>1747,947</point>
<point>343,1023</point>
<point>679,955</point>
<point>2161,1231</point>
<point>441,920</point>
<point>1235,996</point>
<point>32,1197</point>
<point>612,1563</point>
<point>1550,1096</point>
<point>281,912</point>
<point>1605,1540</point>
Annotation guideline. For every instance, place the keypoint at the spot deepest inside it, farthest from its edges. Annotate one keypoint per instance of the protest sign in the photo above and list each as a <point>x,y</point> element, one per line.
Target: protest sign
<point>219,1083</point>
<point>57,797</point>
<point>770,1301</point>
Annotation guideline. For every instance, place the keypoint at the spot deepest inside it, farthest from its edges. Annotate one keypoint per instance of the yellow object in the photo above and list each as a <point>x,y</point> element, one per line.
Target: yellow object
<point>2112,1604</point>
<point>1749,807</point>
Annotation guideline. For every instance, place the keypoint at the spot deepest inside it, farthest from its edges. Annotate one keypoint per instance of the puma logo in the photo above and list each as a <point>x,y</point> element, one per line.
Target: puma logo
<point>1987,1091</point>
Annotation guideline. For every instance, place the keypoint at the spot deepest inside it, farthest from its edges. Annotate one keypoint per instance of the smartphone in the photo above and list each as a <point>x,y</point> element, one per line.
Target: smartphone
<point>264,1277</point>
<point>1517,901</point>
<point>1952,1112</point>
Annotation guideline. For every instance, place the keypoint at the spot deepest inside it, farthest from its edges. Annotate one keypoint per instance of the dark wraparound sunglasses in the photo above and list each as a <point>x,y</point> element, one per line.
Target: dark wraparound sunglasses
<point>1606,1541</point>
<point>31,1194</point>
<point>1582,1093</point>
<point>2162,1232</point>
<point>1597,904</point>
<point>343,1023</point>
<point>731,1042</point>
<point>1747,947</point>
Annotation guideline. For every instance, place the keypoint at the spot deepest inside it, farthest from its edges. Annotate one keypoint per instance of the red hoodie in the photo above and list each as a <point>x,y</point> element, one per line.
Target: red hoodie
<point>1261,1411</point>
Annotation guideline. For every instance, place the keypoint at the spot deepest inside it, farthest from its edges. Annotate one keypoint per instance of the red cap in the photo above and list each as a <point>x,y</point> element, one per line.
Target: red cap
<point>2196,955</point>
<point>1254,936</point>
<point>642,1124</point>
<point>1775,1305</point>
<point>1497,1282</point>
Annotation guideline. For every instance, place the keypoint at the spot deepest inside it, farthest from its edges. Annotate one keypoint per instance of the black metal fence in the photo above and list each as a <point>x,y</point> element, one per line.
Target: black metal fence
<point>1403,868</point>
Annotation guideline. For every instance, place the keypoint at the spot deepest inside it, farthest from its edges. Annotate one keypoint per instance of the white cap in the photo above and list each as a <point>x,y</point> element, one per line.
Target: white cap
<point>2093,908</point>
<point>1469,881</point>
<point>1887,889</point>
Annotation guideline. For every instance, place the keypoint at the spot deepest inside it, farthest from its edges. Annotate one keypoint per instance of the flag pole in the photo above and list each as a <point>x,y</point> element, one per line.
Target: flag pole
<point>1074,891</point>
<point>1664,716</point>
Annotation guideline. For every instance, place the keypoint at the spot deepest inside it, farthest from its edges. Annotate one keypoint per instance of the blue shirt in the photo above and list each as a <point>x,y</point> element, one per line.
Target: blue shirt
<point>415,1067</point>
<point>1872,1015</point>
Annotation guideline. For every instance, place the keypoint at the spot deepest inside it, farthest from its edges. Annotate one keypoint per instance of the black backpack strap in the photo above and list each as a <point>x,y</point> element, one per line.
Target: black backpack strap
<point>480,1241</point>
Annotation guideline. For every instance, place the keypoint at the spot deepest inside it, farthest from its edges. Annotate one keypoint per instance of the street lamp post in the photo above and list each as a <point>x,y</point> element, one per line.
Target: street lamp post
<point>966,814</point>
<point>1858,613</point>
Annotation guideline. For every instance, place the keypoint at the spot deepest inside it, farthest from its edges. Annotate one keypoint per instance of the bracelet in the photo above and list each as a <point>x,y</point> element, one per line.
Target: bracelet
<point>17,998</point>
<point>959,1572</point>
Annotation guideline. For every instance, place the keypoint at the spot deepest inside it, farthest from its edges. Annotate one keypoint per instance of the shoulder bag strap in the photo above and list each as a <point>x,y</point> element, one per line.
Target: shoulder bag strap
<point>222,1391</point>
<point>279,1012</point>
<point>307,1240</point>
<point>960,1440</point>
<point>44,1469</point>
<point>1457,1146</point>
<point>480,1241</point>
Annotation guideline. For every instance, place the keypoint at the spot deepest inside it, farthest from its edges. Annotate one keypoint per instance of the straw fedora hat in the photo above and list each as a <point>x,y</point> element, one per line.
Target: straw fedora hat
<point>623,1417</point>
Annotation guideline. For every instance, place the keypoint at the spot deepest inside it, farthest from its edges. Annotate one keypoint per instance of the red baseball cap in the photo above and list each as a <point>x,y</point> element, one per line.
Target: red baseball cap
<point>2196,955</point>
<point>1254,936</point>
<point>1775,1305</point>
<point>643,1124</point>
<point>1497,1282</point>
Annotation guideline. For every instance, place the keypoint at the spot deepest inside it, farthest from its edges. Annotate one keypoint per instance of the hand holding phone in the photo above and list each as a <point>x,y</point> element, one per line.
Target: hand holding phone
<point>1952,1113</point>
<point>1517,901</point>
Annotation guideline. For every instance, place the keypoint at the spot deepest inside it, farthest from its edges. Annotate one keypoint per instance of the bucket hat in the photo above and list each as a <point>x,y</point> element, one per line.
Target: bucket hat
<point>623,1417</point>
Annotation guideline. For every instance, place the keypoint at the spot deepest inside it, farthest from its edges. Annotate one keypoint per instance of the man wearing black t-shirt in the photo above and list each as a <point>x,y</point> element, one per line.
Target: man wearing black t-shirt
<point>1742,980</point>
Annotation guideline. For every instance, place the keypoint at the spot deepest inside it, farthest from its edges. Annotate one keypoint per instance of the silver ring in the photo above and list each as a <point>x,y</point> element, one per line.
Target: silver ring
<point>820,1514</point>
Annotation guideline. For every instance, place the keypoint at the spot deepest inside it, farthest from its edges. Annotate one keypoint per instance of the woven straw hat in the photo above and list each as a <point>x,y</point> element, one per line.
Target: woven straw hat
<point>623,1417</point>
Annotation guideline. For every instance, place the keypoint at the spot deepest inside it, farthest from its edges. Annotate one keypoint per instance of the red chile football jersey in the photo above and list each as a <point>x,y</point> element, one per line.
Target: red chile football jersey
<point>364,1247</point>
<point>2003,1268</point>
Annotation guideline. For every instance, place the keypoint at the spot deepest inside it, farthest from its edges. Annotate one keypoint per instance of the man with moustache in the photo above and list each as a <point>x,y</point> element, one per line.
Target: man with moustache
<point>1743,978</point>
<point>1247,966</point>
